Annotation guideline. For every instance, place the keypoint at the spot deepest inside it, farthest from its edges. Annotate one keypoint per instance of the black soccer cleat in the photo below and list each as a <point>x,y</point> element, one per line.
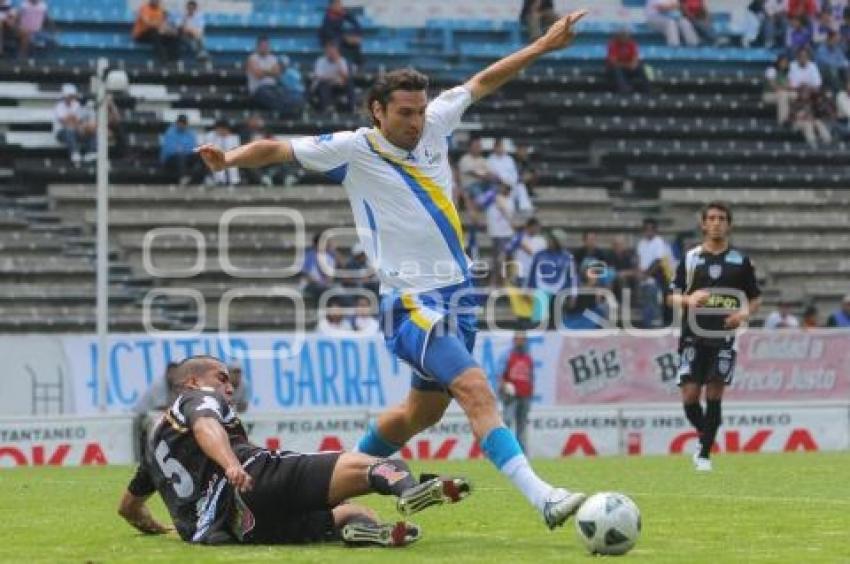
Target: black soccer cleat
<point>435,491</point>
<point>361,533</point>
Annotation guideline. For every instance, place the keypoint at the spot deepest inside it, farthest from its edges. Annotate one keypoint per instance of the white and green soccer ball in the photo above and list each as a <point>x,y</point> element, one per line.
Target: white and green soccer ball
<point>608,523</point>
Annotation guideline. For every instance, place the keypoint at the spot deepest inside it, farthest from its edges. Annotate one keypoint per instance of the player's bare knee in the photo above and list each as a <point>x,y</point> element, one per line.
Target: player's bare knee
<point>473,393</point>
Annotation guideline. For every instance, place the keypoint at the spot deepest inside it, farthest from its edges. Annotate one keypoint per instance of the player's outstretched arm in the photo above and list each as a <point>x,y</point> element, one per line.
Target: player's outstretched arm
<point>559,36</point>
<point>212,438</point>
<point>253,155</point>
<point>137,514</point>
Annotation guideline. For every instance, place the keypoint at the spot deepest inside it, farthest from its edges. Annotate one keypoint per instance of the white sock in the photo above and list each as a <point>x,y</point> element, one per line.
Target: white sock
<point>519,471</point>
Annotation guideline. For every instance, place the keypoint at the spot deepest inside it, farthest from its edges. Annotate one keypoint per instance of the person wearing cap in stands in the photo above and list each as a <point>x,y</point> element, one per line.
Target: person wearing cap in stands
<point>66,124</point>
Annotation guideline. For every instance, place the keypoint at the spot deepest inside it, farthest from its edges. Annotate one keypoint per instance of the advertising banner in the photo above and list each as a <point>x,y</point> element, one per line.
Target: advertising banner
<point>65,441</point>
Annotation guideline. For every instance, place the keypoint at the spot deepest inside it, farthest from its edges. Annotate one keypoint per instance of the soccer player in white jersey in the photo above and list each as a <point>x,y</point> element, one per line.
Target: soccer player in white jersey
<point>399,182</point>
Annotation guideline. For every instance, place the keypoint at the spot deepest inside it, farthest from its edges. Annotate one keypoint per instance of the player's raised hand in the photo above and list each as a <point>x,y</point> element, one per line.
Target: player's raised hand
<point>562,32</point>
<point>240,479</point>
<point>212,156</point>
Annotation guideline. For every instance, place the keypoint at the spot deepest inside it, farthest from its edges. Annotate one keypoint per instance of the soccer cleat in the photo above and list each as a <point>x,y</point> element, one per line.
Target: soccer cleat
<point>360,533</point>
<point>560,505</point>
<point>435,491</point>
<point>701,464</point>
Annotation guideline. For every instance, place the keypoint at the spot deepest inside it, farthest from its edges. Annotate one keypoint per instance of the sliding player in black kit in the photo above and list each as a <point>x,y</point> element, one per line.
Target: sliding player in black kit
<point>221,488</point>
<point>716,286</point>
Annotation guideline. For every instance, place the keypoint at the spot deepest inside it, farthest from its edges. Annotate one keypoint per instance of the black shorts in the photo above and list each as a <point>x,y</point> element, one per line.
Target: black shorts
<point>702,364</point>
<point>289,501</point>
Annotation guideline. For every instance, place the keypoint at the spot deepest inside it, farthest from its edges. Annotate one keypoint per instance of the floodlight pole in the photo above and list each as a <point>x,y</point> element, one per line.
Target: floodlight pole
<point>102,283</point>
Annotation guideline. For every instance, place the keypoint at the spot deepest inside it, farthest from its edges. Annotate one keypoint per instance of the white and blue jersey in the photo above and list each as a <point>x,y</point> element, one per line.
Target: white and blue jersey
<point>406,221</point>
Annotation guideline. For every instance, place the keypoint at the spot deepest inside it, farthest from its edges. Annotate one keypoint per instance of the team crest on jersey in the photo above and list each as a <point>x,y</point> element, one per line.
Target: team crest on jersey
<point>715,270</point>
<point>430,156</point>
<point>324,138</point>
<point>689,354</point>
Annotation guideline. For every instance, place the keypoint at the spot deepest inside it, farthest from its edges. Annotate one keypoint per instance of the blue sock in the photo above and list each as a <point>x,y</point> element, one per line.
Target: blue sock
<point>374,444</point>
<point>500,445</point>
<point>503,450</point>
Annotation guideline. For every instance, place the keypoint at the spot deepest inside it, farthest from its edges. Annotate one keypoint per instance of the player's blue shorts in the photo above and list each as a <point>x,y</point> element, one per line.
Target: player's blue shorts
<point>434,332</point>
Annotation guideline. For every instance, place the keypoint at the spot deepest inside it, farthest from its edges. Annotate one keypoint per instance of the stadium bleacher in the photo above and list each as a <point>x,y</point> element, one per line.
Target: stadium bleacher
<point>704,132</point>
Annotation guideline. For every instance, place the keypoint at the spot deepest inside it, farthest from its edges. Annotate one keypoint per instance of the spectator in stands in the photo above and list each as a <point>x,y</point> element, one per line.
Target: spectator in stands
<point>190,28</point>
<point>799,35</point>
<point>516,388</point>
<point>341,27</point>
<point>782,318</point>
<point>33,20</point>
<point>803,9</point>
<point>832,62</point>
<point>811,113</point>
<point>333,322</point>
<point>821,29</point>
<point>364,321</point>
<point>842,102</point>
<point>625,69</point>
<point>152,26</point>
<point>841,316</point>
<point>778,88</point>
<point>527,242</point>
<point>66,125</point>
<point>552,272</point>
<point>765,19</point>
<point>810,317</point>
<point>589,248</point>
<point>623,262</point>
<point>655,265</point>
<point>177,152</point>
<point>803,73</point>
<point>319,268</point>
<point>264,72</point>
<point>331,78</point>
<point>240,388</point>
<point>696,12</point>
<point>844,31</point>
<point>8,17</point>
<point>222,137</point>
<point>665,17</point>
<point>526,168</point>
<point>292,85</point>
<point>590,308</point>
<point>503,169</point>
<point>536,16</point>
<point>500,216</point>
<point>475,175</point>
<point>358,273</point>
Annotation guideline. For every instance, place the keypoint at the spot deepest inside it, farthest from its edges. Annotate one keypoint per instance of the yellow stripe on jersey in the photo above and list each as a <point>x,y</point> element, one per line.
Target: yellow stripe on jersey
<point>431,188</point>
<point>416,314</point>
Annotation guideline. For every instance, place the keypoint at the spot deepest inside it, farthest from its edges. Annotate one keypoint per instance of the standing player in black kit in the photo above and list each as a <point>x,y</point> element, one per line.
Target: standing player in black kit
<point>716,286</point>
<point>221,488</point>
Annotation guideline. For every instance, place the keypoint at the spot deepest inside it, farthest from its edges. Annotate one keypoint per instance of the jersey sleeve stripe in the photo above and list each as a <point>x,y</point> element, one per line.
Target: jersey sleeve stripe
<point>439,207</point>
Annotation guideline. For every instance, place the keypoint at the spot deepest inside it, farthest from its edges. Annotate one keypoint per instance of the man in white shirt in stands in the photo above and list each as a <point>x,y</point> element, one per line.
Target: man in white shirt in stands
<point>503,166</point>
<point>804,72</point>
<point>331,77</point>
<point>782,318</point>
<point>399,182</point>
<point>67,114</point>
<point>222,137</point>
<point>655,262</point>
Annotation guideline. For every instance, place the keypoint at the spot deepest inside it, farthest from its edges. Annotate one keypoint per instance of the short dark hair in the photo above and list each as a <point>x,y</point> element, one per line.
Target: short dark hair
<point>717,205</point>
<point>262,38</point>
<point>192,366</point>
<point>408,79</point>
<point>650,221</point>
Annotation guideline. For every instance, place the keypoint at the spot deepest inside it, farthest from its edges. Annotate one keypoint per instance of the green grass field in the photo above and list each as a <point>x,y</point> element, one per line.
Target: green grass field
<point>753,508</point>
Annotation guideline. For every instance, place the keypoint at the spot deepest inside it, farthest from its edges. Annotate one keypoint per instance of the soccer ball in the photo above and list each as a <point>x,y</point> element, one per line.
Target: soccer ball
<point>608,523</point>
